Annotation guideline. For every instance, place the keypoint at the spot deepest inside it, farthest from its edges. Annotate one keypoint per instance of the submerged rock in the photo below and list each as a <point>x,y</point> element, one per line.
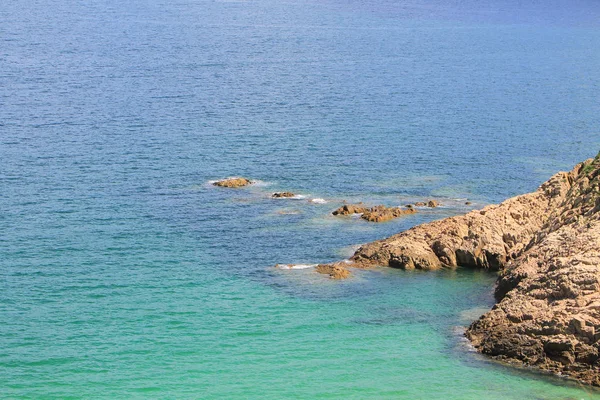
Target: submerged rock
<point>335,270</point>
<point>374,214</point>
<point>279,195</point>
<point>429,203</point>
<point>233,182</point>
<point>547,246</point>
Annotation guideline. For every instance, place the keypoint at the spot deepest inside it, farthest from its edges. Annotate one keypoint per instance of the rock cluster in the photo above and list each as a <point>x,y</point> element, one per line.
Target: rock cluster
<point>430,203</point>
<point>233,182</point>
<point>547,246</point>
<point>374,214</point>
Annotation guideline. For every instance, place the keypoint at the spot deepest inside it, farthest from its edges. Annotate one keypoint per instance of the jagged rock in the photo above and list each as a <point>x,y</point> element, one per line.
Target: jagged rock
<point>547,246</point>
<point>420,204</point>
<point>349,209</point>
<point>233,182</point>
<point>279,195</point>
<point>374,214</point>
<point>335,270</point>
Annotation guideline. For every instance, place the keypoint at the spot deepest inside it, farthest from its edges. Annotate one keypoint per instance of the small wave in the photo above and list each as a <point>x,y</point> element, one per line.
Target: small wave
<point>347,252</point>
<point>295,266</point>
<point>462,342</point>
<point>294,197</point>
<point>259,183</point>
<point>318,201</point>
<point>288,212</point>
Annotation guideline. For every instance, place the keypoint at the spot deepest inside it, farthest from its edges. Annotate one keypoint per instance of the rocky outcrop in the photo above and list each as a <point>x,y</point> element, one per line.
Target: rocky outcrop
<point>547,246</point>
<point>374,214</point>
<point>430,203</point>
<point>548,314</point>
<point>281,195</point>
<point>349,209</point>
<point>233,182</point>
<point>335,270</point>
<point>487,238</point>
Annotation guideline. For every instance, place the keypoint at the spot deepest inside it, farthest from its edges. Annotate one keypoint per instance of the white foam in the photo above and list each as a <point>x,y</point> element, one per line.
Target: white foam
<point>294,197</point>
<point>259,183</point>
<point>318,201</point>
<point>295,266</point>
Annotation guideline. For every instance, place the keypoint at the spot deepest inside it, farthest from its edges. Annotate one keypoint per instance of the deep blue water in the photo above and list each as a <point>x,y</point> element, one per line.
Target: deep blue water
<point>124,273</point>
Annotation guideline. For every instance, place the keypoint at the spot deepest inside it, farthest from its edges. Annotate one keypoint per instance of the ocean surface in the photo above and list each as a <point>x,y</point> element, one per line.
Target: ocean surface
<point>125,274</point>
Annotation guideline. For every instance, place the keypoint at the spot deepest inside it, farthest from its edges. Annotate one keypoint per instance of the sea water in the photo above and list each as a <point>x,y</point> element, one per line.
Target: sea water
<point>125,274</point>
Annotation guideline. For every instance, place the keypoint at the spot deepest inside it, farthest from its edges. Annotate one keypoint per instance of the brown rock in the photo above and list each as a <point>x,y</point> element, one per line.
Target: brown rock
<point>279,195</point>
<point>233,182</point>
<point>349,209</point>
<point>429,203</point>
<point>374,214</point>
<point>382,213</point>
<point>335,270</point>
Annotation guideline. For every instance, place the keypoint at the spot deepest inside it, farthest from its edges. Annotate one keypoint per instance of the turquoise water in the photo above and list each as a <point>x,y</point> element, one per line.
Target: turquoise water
<point>125,274</point>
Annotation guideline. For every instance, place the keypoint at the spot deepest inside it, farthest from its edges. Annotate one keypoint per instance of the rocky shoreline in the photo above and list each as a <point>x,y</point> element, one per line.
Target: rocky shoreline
<point>546,245</point>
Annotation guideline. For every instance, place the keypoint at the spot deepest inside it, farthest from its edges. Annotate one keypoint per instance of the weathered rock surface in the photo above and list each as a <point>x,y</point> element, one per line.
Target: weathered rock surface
<point>374,214</point>
<point>335,271</point>
<point>547,246</point>
<point>432,203</point>
<point>548,313</point>
<point>280,195</point>
<point>233,182</point>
